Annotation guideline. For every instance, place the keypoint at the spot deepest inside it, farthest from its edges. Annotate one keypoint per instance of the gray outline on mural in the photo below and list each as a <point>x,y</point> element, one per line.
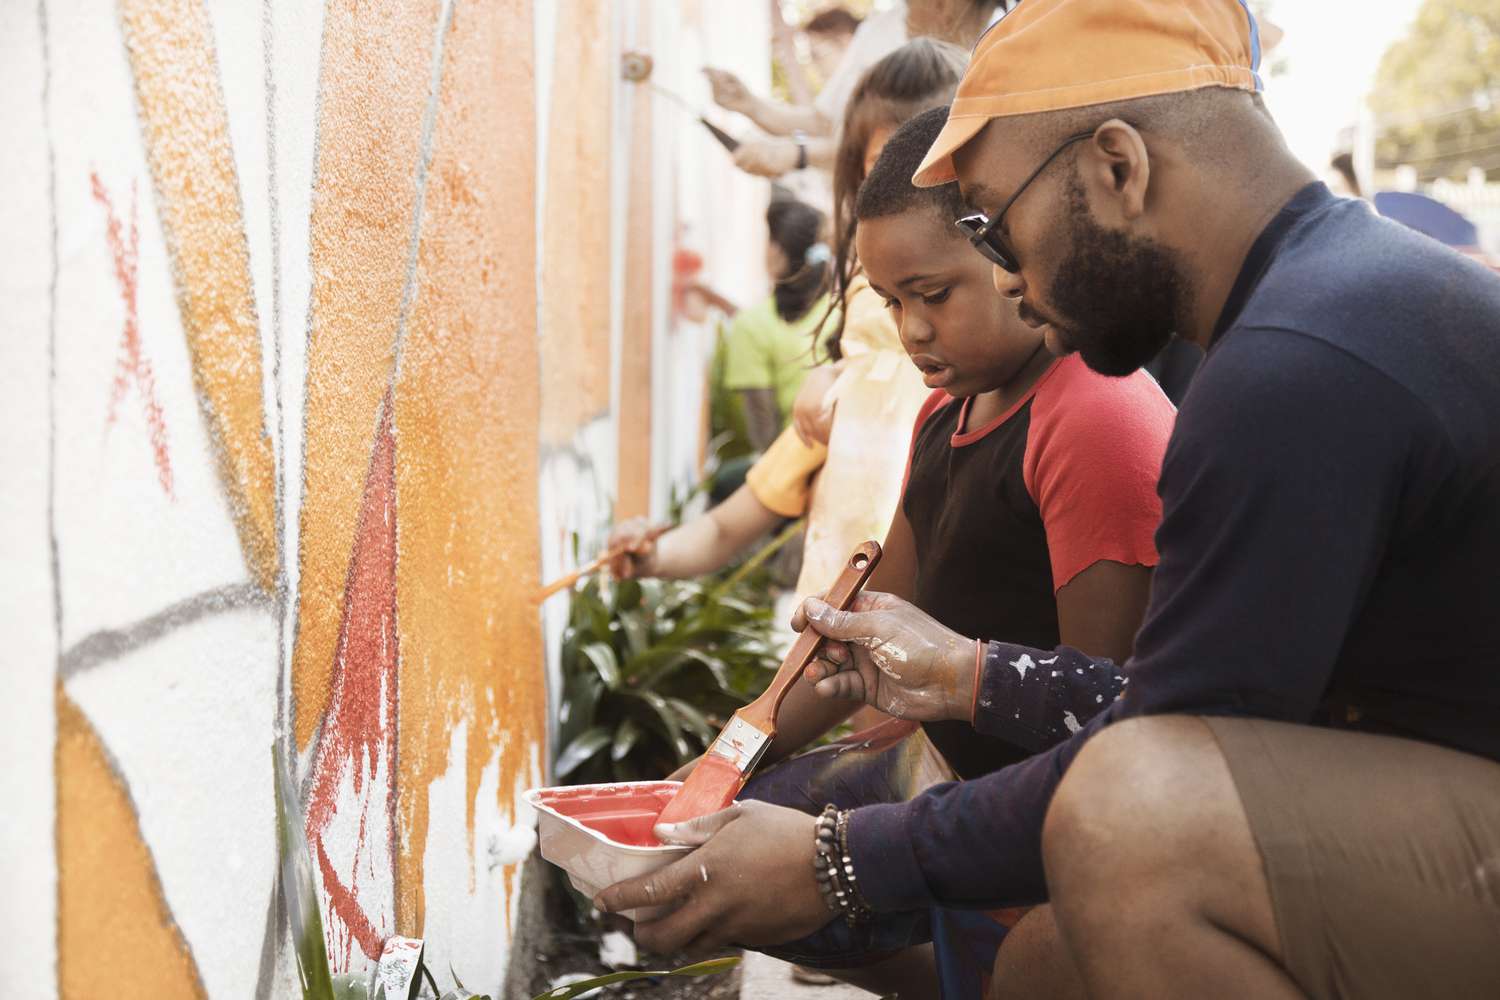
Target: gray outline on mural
<point>111,643</point>
<point>57,609</point>
<point>419,207</point>
<point>265,979</point>
<point>41,11</point>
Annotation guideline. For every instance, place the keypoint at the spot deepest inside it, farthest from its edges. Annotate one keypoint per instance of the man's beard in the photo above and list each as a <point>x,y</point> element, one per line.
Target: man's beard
<point>1116,298</point>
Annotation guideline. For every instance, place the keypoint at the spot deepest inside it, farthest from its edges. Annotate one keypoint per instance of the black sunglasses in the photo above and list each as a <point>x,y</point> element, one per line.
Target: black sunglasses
<point>984,232</point>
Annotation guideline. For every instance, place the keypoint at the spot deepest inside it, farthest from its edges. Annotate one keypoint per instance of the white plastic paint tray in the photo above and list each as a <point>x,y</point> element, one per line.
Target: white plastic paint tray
<point>601,834</point>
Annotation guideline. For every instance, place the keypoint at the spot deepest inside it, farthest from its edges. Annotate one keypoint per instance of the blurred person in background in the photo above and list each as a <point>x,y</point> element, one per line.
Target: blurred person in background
<point>767,349</point>
<point>829,33</point>
<point>799,136</point>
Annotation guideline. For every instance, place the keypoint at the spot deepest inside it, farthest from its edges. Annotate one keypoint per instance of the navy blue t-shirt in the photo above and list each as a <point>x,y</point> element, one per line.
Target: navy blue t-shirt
<point>1330,546</point>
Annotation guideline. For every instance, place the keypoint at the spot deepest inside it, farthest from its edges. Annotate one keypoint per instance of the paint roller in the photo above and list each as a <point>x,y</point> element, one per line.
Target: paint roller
<point>636,68</point>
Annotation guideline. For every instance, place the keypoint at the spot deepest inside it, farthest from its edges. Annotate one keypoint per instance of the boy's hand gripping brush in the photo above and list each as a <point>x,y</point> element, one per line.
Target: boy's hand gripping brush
<point>729,762</point>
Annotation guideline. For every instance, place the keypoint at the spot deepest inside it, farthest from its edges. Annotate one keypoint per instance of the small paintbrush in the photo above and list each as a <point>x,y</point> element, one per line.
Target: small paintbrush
<point>732,757</point>
<point>567,580</point>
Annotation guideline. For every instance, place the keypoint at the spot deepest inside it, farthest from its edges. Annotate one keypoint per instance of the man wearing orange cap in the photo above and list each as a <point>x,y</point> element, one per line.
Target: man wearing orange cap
<point>1297,791</point>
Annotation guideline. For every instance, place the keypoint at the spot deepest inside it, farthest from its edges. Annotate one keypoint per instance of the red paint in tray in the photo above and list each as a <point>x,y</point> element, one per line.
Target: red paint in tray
<point>623,813</point>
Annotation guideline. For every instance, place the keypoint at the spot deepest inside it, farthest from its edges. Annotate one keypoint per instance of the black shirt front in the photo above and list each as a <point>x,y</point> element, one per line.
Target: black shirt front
<point>982,562</point>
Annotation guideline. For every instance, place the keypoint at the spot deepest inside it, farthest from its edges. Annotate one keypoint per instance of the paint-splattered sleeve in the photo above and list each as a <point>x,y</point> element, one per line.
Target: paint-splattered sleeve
<point>1036,699</point>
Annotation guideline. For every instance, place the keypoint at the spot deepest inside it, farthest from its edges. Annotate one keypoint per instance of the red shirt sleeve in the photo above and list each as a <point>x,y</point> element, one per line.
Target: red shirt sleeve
<point>934,402</point>
<point>1093,456</point>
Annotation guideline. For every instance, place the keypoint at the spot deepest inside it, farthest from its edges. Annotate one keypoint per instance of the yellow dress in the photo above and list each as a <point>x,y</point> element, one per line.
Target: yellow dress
<point>877,397</point>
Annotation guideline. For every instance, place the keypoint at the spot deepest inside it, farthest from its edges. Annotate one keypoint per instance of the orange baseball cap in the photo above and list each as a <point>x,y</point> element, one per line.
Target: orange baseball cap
<point>1047,55</point>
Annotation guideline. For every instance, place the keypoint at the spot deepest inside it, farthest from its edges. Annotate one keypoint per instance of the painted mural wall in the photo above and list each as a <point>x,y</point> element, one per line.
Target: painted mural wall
<point>328,327</point>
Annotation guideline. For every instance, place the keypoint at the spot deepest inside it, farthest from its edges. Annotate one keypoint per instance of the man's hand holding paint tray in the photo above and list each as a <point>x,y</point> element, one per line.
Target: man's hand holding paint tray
<point>722,772</point>
<point>749,881</point>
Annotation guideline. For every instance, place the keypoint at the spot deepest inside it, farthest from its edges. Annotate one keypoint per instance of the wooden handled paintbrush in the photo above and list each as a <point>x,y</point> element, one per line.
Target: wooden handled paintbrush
<point>564,582</point>
<point>732,757</point>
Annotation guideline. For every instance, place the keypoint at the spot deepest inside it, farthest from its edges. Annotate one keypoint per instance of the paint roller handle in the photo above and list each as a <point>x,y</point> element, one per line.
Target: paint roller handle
<point>726,140</point>
<point>856,573</point>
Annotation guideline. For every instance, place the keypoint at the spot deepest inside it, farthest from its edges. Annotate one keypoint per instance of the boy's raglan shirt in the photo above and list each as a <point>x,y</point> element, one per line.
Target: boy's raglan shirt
<point>1006,514</point>
<point>1331,530</point>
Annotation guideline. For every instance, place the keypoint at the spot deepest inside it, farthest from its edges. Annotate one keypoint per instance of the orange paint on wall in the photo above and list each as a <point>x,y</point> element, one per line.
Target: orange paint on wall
<point>373,86</point>
<point>466,404</point>
<point>186,132</point>
<point>115,935</point>
<point>634,407</point>
<point>576,231</point>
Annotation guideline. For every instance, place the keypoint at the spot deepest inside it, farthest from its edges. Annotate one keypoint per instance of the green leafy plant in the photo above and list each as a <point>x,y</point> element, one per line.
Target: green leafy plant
<point>653,669</point>
<point>712,967</point>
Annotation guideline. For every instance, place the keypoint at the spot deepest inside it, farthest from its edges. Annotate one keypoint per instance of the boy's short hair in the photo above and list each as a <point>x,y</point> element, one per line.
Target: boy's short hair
<point>888,189</point>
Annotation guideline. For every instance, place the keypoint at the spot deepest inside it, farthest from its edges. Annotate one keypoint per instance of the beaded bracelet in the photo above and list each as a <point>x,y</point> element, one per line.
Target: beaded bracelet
<point>857,909</point>
<point>834,868</point>
<point>825,861</point>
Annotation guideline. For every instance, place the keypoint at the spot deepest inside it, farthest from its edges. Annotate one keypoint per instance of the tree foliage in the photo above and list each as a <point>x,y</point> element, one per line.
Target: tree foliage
<point>1437,93</point>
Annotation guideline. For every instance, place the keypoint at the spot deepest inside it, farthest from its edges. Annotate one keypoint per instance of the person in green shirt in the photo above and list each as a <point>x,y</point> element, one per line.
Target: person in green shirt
<point>769,347</point>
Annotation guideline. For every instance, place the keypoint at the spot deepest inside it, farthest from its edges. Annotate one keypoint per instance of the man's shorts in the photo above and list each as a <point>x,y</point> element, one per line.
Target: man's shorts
<point>1382,856</point>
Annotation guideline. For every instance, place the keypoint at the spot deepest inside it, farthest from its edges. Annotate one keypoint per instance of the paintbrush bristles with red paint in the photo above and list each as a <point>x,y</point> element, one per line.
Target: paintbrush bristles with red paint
<point>729,762</point>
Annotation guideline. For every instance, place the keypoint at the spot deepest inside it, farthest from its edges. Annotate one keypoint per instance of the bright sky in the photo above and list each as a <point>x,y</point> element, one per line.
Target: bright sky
<point>1332,49</point>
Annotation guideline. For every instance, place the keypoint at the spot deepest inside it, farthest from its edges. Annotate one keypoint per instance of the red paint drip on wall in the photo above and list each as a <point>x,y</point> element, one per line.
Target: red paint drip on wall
<point>133,363</point>
<point>358,737</point>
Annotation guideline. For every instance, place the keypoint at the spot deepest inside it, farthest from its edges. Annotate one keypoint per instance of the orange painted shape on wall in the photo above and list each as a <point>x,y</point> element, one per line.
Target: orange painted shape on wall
<point>634,411</point>
<point>115,935</point>
<point>466,425</point>
<point>186,132</point>
<point>576,223</point>
<point>374,80</point>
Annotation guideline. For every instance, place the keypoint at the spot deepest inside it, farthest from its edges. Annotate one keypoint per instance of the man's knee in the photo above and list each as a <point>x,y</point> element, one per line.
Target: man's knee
<point>1033,962</point>
<point>1128,784</point>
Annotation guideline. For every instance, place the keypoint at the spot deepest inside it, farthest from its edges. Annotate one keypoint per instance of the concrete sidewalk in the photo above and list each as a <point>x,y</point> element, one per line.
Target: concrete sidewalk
<point>766,978</point>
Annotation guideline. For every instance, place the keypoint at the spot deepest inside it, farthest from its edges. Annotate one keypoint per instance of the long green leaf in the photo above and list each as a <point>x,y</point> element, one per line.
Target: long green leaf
<point>637,632</point>
<point>581,696</point>
<point>590,742</point>
<point>299,891</point>
<point>627,595</point>
<point>756,561</point>
<point>603,658</point>
<point>713,967</point>
<point>694,719</point>
<point>626,737</point>
<point>671,725</point>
